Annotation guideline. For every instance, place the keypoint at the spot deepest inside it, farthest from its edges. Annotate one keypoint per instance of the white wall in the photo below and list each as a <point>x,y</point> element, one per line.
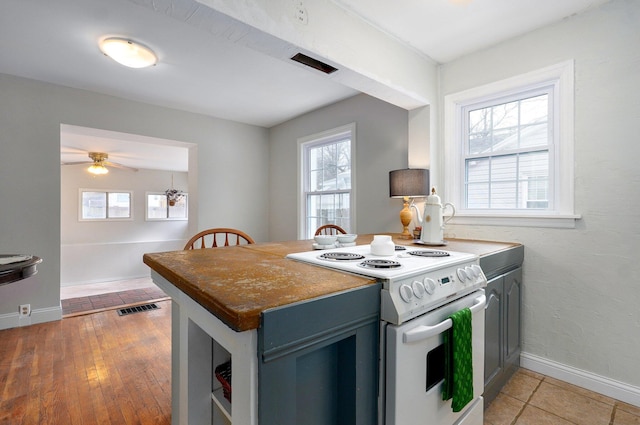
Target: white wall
<point>102,251</point>
<point>232,172</point>
<point>381,146</point>
<point>581,291</point>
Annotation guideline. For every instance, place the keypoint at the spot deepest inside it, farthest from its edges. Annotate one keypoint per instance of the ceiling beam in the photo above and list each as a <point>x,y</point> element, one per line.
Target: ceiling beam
<point>367,59</point>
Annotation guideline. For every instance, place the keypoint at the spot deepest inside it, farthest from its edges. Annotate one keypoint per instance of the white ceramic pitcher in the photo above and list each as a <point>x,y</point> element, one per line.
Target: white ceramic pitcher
<point>433,219</point>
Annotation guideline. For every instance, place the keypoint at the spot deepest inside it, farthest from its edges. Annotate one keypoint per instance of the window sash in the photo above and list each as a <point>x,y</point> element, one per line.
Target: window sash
<point>497,134</point>
<point>158,208</point>
<point>105,205</point>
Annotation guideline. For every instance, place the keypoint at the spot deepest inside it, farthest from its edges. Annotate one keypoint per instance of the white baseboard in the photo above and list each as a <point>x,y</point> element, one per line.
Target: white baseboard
<point>39,315</point>
<point>600,384</point>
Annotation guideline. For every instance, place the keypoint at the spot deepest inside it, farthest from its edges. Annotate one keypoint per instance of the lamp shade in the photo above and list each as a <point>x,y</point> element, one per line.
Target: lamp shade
<point>409,182</point>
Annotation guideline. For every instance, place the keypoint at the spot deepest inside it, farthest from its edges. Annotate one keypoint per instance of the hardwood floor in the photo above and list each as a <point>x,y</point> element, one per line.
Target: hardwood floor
<point>94,369</point>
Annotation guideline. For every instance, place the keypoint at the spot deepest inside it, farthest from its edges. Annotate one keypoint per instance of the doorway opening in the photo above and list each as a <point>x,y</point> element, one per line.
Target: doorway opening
<point>100,256</point>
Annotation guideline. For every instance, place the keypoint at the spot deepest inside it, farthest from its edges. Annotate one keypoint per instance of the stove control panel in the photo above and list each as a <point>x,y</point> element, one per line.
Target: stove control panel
<point>407,298</point>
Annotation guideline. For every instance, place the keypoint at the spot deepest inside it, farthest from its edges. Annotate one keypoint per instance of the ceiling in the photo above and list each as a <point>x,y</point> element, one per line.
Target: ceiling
<point>447,29</point>
<point>203,69</point>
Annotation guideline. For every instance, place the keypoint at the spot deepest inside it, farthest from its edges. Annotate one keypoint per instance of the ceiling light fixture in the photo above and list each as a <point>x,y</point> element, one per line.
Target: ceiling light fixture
<point>128,53</point>
<point>97,169</point>
<point>98,163</point>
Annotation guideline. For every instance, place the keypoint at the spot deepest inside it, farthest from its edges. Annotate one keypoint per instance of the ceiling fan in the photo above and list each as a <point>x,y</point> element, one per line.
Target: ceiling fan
<point>99,163</point>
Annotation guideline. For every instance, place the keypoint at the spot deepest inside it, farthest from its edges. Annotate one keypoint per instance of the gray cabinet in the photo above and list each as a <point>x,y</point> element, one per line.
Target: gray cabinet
<point>502,331</point>
<point>318,361</point>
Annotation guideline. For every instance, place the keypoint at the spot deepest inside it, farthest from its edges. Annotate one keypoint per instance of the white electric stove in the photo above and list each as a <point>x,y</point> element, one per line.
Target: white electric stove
<point>414,279</point>
<point>421,288</point>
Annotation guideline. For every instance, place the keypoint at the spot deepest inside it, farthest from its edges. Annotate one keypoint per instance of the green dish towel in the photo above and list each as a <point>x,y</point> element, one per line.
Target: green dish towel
<point>458,361</point>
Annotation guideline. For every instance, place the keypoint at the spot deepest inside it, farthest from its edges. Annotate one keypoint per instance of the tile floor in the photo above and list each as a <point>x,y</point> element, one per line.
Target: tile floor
<point>83,299</point>
<point>530,398</point>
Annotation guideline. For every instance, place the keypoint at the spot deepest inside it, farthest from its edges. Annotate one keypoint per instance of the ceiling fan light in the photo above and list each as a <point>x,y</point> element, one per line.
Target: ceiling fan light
<point>97,169</point>
<point>128,53</point>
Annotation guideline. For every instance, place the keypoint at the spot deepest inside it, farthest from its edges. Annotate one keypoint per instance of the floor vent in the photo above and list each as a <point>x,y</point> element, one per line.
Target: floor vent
<point>137,309</point>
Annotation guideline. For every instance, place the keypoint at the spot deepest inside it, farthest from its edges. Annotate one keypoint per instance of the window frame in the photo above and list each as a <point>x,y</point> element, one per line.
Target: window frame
<point>314,140</point>
<point>146,207</point>
<point>106,192</point>
<point>561,214</point>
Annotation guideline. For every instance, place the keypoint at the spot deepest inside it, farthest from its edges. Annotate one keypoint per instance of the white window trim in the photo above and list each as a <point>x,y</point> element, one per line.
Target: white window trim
<point>563,216</point>
<point>319,138</point>
<point>130,192</point>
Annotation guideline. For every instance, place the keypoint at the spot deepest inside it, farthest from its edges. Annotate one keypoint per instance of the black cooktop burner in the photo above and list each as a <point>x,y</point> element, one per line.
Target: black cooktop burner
<point>429,253</point>
<point>341,256</point>
<point>380,264</point>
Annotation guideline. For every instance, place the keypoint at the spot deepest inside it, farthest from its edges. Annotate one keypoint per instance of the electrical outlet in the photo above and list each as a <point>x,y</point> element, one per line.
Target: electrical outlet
<point>24,310</point>
<point>301,13</point>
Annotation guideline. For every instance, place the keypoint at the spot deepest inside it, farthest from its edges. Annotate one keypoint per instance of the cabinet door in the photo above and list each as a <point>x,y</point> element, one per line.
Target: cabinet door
<point>512,296</point>
<point>493,332</point>
<point>319,361</point>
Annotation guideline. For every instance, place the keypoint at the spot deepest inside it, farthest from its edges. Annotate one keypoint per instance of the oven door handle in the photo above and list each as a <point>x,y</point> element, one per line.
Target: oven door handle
<point>423,332</point>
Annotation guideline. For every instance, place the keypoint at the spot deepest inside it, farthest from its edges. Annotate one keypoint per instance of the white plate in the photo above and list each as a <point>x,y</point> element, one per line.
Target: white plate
<point>318,246</point>
<point>419,242</point>
<point>14,259</point>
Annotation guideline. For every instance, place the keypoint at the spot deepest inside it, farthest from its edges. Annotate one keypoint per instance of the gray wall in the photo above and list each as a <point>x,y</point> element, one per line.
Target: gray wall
<point>581,292</point>
<point>381,146</point>
<point>232,172</point>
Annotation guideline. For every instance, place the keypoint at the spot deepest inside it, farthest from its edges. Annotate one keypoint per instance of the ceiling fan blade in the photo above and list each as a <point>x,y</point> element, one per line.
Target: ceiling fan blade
<point>76,163</point>
<point>116,165</point>
<point>72,150</point>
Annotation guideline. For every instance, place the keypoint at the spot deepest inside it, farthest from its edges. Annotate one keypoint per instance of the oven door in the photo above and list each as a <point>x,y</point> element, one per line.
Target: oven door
<point>415,367</point>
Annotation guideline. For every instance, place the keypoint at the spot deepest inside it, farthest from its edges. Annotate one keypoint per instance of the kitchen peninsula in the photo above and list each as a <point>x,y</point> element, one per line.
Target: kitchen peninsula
<point>283,324</point>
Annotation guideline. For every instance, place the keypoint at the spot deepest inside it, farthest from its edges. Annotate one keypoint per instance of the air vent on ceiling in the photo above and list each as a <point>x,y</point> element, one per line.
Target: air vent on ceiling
<point>137,309</point>
<point>314,63</point>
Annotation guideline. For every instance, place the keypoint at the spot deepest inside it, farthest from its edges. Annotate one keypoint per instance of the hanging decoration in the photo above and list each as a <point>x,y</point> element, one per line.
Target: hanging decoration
<point>173,195</point>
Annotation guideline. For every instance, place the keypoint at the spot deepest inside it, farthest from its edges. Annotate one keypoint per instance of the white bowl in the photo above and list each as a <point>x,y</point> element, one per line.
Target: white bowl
<point>347,238</point>
<point>325,239</point>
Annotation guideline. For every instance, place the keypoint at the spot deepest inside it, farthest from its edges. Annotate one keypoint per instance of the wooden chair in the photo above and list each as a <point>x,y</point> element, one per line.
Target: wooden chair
<point>330,229</point>
<point>209,238</point>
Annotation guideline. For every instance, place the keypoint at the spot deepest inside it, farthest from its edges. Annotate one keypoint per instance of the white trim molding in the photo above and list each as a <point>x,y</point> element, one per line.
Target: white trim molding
<point>518,220</point>
<point>326,136</point>
<point>600,384</point>
<point>39,315</point>
<point>562,214</point>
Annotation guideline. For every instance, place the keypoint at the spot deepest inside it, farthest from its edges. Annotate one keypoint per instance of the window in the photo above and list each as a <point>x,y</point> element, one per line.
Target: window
<point>509,150</point>
<point>105,205</point>
<point>327,189</point>
<point>158,208</point>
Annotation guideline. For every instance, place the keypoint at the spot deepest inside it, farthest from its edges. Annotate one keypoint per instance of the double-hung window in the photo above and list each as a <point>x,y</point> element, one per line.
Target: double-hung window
<point>326,177</point>
<point>509,150</point>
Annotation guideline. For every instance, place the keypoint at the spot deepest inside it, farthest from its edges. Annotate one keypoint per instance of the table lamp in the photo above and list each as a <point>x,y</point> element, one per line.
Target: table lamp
<point>408,183</point>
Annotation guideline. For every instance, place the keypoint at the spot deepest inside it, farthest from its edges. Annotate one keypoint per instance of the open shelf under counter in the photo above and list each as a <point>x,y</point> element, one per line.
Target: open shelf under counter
<point>199,341</point>
<point>223,405</point>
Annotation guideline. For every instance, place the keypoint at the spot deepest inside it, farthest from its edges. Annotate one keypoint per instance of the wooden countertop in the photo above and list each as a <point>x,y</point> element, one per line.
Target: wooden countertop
<point>238,283</point>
